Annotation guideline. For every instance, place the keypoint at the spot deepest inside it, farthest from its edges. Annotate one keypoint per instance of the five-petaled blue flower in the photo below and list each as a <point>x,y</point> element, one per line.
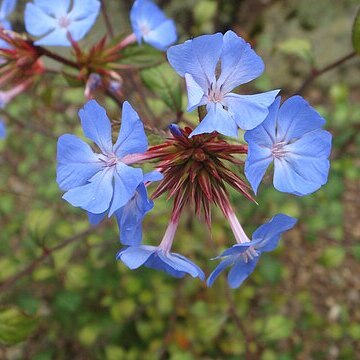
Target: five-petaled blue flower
<point>157,258</point>
<point>151,25</point>
<point>213,65</point>
<point>243,257</point>
<point>6,8</point>
<point>292,137</point>
<point>131,215</point>
<point>101,182</point>
<point>2,130</point>
<point>52,20</point>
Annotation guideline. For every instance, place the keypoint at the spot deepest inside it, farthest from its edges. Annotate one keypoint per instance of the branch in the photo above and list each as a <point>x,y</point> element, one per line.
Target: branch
<point>57,57</point>
<point>46,253</point>
<point>107,19</point>
<point>315,73</point>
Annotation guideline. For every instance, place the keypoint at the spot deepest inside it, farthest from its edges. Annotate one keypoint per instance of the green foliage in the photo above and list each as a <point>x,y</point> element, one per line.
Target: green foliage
<point>141,56</point>
<point>15,326</point>
<point>165,83</point>
<point>356,33</point>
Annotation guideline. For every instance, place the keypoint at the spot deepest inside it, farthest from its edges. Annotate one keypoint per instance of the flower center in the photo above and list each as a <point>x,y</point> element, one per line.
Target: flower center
<point>278,150</point>
<point>214,93</point>
<point>249,254</point>
<point>145,29</point>
<point>109,160</point>
<point>64,21</point>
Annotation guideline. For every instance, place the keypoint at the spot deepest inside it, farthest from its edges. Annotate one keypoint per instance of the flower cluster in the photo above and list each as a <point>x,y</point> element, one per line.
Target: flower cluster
<point>193,166</point>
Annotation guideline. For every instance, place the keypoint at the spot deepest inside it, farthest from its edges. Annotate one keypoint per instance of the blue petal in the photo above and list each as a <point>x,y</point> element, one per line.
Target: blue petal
<point>265,133</point>
<point>162,36</point>
<point>2,130</point>
<point>240,271</point>
<point>197,57</point>
<point>177,265</point>
<point>95,196</point>
<point>239,63</point>
<point>95,219</point>
<point>77,163</point>
<point>153,176</point>
<point>132,138</point>
<point>37,22</point>
<point>130,217</point>
<point>195,93</point>
<point>296,118</point>
<point>55,8</point>
<point>57,37</point>
<point>270,232</point>
<point>258,160</point>
<point>218,270</point>
<point>83,16</point>
<point>156,262</point>
<point>135,256</point>
<point>96,125</point>
<point>126,180</point>
<point>287,179</point>
<point>249,110</point>
<point>217,119</point>
<point>7,7</point>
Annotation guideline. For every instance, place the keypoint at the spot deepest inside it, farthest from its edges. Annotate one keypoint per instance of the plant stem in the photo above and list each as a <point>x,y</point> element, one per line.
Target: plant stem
<point>315,73</point>
<point>46,253</point>
<point>57,57</point>
<point>107,19</point>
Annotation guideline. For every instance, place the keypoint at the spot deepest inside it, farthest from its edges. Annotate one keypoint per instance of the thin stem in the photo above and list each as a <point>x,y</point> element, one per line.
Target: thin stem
<point>315,73</point>
<point>57,57</point>
<point>46,253</point>
<point>107,19</point>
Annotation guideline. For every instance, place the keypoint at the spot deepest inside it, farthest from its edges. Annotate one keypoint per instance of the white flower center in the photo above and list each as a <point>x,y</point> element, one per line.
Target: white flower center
<point>64,21</point>
<point>145,29</point>
<point>278,150</point>
<point>249,254</point>
<point>215,94</point>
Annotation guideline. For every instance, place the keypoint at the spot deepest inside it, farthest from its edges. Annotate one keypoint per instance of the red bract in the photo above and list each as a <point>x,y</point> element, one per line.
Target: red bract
<point>20,62</point>
<point>196,171</point>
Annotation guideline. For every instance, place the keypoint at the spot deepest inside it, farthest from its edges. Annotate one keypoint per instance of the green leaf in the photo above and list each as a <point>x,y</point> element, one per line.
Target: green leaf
<point>298,47</point>
<point>356,33</point>
<point>141,56</point>
<point>333,256</point>
<point>164,83</point>
<point>278,327</point>
<point>15,326</point>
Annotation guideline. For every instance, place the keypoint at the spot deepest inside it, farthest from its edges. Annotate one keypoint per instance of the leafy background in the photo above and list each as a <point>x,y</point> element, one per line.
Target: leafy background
<point>62,294</point>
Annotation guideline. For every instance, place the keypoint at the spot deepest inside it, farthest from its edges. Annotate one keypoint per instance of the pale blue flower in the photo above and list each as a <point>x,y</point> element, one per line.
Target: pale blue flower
<point>151,25</point>
<point>213,65</point>
<point>243,257</point>
<point>101,182</point>
<point>52,20</point>
<point>156,258</point>
<point>293,138</point>
<point>131,215</point>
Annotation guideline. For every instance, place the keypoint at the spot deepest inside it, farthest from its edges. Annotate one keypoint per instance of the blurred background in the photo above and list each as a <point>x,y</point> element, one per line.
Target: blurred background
<point>76,302</point>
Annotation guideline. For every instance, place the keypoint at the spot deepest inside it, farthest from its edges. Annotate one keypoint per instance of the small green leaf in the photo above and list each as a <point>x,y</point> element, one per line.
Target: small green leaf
<point>141,56</point>
<point>356,33</point>
<point>15,326</point>
<point>298,47</point>
<point>164,83</point>
<point>278,327</point>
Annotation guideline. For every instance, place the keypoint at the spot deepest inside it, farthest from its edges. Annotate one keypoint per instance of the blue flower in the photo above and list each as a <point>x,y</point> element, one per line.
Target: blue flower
<point>101,182</point>
<point>52,20</point>
<point>6,8</point>
<point>150,24</point>
<point>292,137</point>
<point>212,66</point>
<point>157,258</point>
<point>2,130</point>
<point>243,257</point>
<point>131,215</point>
